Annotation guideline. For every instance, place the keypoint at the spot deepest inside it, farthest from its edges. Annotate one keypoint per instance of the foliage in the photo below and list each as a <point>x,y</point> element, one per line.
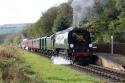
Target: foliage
<point>14,38</point>
<point>13,68</point>
<point>57,24</point>
<point>54,19</point>
<point>44,25</point>
<point>109,21</point>
<point>66,11</point>
<point>64,18</point>
<point>2,37</point>
<point>48,20</point>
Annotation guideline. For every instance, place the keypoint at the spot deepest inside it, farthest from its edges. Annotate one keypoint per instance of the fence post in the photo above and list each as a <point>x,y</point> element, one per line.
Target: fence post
<point>112,48</point>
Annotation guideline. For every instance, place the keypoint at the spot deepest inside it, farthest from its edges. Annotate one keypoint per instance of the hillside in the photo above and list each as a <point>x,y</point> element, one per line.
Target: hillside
<point>11,28</point>
<point>2,38</point>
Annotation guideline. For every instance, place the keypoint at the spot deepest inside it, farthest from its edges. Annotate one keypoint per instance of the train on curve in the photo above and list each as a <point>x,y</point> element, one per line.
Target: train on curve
<point>73,44</point>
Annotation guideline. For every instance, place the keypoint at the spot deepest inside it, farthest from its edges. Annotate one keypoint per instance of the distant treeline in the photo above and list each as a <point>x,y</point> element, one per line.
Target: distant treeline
<point>53,20</point>
<point>2,37</point>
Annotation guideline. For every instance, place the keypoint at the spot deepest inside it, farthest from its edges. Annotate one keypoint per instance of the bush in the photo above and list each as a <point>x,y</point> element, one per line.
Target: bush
<point>13,68</point>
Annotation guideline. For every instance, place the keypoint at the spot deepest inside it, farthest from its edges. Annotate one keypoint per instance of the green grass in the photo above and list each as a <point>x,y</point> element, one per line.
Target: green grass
<point>51,73</point>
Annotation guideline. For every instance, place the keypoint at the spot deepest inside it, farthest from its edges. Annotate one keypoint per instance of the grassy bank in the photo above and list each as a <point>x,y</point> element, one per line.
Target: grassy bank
<point>14,69</point>
<point>51,73</point>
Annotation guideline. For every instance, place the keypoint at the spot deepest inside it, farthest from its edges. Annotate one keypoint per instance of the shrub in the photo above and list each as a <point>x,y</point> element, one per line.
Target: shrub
<point>13,68</point>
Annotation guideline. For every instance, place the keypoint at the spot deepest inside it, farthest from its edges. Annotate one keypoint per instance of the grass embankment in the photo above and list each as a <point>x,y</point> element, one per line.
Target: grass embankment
<point>13,68</point>
<point>51,73</point>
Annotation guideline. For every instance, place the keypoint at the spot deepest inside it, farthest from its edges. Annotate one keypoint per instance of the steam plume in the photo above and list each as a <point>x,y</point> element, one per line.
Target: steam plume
<point>82,9</point>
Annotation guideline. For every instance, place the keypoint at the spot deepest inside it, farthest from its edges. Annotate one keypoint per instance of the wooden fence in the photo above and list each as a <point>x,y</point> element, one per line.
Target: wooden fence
<point>119,48</point>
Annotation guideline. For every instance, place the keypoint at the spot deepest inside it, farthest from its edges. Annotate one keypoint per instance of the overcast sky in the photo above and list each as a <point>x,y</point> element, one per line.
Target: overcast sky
<point>24,11</point>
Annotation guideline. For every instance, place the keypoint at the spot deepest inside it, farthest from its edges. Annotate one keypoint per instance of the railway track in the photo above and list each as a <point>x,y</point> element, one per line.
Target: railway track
<point>111,75</point>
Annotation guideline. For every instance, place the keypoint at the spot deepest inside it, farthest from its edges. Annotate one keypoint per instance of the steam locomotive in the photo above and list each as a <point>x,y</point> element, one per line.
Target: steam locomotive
<point>73,44</point>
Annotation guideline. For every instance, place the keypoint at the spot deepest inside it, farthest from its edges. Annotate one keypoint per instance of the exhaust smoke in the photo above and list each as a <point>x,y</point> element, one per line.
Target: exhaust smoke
<point>84,9</point>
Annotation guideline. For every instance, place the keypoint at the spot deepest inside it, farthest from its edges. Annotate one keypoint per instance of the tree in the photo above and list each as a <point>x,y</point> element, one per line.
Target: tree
<point>64,18</point>
<point>57,26</point>
<point>47,20</point>
<point>66,11</point>
<point>54,19</point>
<point>110,20</point>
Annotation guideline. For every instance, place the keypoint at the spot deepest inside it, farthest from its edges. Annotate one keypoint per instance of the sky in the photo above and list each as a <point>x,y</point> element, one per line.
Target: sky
<point>24,11</point>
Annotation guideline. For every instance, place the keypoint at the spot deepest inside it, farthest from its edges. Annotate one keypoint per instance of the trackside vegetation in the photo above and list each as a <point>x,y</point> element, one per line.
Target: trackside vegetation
<point>13,68</point>
<point>51,73</point>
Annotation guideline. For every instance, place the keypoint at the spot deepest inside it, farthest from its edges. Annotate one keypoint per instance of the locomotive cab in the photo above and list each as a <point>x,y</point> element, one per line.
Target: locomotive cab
<point>79,50</point>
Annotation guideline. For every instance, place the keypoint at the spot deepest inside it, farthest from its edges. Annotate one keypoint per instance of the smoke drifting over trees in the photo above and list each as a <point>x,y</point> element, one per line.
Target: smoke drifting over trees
<point>82,9</point>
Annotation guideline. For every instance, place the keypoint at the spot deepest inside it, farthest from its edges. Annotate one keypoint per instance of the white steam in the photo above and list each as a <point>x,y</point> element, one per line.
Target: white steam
<point>60,61</point>
<point>82,9</point>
